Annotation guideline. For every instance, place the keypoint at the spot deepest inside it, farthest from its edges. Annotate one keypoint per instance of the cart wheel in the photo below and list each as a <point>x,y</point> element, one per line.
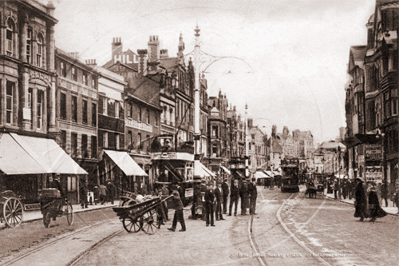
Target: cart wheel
<point>149,222</point>
<point>131,225</point>
<point>12,211</point>
<point>69,213</point>
<point>46,218</point>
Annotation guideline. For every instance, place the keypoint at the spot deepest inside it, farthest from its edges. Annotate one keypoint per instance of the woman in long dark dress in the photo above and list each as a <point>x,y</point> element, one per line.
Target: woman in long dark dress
<point>361,200</point>
<point>374,206</point>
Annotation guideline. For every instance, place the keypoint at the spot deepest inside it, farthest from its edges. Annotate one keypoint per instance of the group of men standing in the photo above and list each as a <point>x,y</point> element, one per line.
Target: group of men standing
<point>215,199</point>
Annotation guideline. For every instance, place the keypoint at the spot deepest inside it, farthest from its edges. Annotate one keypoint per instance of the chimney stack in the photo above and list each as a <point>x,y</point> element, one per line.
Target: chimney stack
<point>142,62</point>
<point>74,55</point>
<point>116,47</point>
<point>164,53</point>
<point>91,62</point>
<point>153,49</point>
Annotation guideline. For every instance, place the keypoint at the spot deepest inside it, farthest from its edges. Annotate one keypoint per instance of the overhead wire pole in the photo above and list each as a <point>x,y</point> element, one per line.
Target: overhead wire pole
<point>246,141</point>
<point>197,134</point>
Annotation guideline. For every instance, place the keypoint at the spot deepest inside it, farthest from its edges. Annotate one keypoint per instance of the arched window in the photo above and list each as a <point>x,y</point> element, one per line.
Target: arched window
<point>9,36</point>
<point>40,50</point>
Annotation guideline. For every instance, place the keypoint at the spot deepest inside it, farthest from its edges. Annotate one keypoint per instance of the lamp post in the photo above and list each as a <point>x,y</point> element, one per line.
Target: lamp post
<point>339,172</point>
<point>200,58</point>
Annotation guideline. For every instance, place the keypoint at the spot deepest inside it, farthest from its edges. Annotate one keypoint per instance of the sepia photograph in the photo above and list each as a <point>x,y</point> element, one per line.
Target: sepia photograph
<point>199,132</point>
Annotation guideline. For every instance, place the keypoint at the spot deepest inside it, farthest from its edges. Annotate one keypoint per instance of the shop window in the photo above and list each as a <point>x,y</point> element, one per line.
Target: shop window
<point>10,102</point>
<point>10,37</point>
<point>40,100</point>
<point>71,183</point>
<point>74,108</point>
<point>93,114</point>
<point>40,50</point>
<point>63,104</point>
<point>93,146</point>
<point>29,46</point>
<point>84,111</point>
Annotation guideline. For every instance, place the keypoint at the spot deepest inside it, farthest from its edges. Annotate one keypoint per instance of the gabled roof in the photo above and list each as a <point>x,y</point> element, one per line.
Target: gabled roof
<point>356,56</point>
<point>169,63</point>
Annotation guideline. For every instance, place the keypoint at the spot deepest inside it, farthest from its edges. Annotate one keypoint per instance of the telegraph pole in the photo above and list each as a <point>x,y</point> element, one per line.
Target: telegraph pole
<point>246,141</point>
<point>197,111</point>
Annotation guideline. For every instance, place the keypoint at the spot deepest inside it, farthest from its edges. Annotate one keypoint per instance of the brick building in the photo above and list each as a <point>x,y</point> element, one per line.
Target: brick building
<point>76,112</point>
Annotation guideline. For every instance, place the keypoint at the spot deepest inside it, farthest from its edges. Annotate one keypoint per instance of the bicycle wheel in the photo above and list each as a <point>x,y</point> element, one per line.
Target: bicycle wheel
<point>69,214</point>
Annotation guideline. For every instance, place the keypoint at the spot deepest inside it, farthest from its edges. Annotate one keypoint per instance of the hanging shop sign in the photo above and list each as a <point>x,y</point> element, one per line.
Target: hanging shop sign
<point>374,173</point>
<point>373,152</point>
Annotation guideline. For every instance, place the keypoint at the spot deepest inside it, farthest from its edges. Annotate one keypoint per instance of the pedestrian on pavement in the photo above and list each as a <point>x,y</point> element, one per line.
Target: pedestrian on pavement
<point>179,216</point>
<point>96,193</point>
<point>196,200</point>
<point>160,212</point>
<point>165,194</point>
<point>210,200</point>
<point>219,201</point>
<point>350,189</point>
<point>111,192</point>
<point>375,210</point>
<point>384,193</point>
<point>225,190</point>
<point>103,193</point>
<point>253,194</point>
<point>360,200</point>
<point>336,188</point>
<point>234,195</point>
<point>244,197</point>
<point>83,194</point>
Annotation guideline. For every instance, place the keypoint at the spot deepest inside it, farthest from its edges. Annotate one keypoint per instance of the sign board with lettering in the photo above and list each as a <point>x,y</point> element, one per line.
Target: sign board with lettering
<point>138,125</point>
<point>373,152</point>
<point>374,173</point>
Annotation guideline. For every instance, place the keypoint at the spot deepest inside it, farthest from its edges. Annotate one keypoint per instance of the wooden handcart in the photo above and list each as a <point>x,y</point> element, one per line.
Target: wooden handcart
<point>140,216</point>
<point>11,208</point>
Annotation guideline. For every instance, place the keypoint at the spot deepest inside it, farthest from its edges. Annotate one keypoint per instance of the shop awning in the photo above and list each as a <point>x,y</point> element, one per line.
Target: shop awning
<point>13,156</point>
<point>225,169</point>
<point>269,173</point>
<point>201,171</point>
<point>260,174</point>
<point>32,155</point>
<point>276,173</point>
<point>125,163</point>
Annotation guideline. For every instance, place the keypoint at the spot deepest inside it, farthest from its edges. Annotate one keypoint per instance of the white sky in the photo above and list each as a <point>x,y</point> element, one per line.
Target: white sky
<point>298,49</point>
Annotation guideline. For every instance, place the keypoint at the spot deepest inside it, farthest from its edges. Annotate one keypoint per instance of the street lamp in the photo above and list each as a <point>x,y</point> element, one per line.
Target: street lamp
<point>199,60</point>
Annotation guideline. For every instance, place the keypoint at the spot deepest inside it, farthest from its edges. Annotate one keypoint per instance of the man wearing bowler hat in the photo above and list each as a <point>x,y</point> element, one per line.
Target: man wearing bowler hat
<point>178,212</point>
<point>253,194</point>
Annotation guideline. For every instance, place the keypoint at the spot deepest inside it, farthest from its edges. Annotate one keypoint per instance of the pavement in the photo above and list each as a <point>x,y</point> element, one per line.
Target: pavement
<point>390,210</point>
<point>37,215</point>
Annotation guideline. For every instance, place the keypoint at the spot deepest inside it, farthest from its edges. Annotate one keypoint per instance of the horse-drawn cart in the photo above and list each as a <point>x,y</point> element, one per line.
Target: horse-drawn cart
<point>11,208</point>
<point>140,216</point>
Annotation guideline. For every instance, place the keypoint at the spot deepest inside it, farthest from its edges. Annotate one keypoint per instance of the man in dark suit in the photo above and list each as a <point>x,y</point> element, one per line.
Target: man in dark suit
<point>225,190</point>
<point>244,197</point>
<point>234,194</point>
<point>253,194</point>
<point>219,200</point>
<point>178,217</point>
<point>209,202</point>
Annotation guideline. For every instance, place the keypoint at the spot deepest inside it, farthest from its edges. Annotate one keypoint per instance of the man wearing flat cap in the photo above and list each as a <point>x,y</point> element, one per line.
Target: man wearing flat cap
<point>253,194</point>
<point>178,205</point>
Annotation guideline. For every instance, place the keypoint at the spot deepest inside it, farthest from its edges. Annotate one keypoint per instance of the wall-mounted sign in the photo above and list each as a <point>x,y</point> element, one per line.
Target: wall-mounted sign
<point>373,152</point>
<point>135,124</point>
<point>374,173</point>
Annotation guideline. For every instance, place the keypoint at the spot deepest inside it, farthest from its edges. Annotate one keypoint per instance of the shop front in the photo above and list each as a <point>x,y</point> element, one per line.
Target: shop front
<point>27,162</point>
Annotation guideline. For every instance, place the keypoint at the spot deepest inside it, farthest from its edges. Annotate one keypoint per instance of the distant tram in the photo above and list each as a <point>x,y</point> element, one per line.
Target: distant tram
<point>290,175</point>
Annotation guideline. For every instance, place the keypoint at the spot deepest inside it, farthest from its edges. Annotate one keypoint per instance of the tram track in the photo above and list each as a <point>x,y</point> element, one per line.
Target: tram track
<point>257,251</point>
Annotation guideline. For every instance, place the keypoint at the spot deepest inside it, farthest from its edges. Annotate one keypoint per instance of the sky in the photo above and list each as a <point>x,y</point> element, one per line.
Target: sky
<point>286,59</point>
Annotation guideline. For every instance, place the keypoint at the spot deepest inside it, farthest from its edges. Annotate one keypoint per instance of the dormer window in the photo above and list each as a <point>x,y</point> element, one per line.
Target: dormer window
<point>29,46</point>
<point>10,39</point>
<point>40,48</point>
